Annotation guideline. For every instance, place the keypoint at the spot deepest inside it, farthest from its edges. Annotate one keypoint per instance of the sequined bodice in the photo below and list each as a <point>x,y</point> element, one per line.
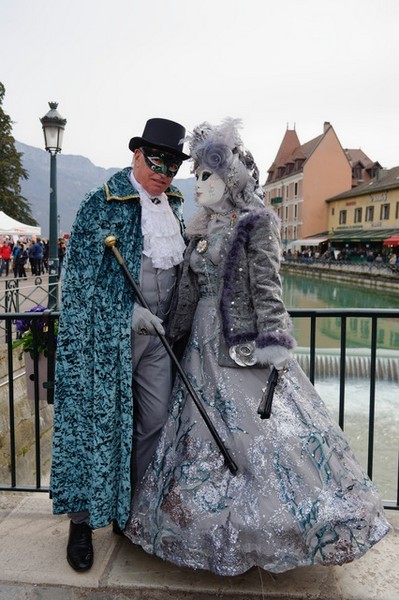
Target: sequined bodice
<point>204,261</point>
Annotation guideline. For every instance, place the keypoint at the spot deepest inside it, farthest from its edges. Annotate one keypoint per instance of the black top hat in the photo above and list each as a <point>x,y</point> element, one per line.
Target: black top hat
<point>164,134</point>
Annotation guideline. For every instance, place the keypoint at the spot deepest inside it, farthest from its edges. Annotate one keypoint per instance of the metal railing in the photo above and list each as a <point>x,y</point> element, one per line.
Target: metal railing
<point>52,317</point>
<point>10,376</point>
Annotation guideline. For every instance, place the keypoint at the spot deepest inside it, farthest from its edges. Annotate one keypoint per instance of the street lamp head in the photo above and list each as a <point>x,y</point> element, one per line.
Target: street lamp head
<point>53,128</point>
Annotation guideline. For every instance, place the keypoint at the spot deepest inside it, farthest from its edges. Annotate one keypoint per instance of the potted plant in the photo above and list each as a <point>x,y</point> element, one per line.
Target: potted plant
<point>34,333</point>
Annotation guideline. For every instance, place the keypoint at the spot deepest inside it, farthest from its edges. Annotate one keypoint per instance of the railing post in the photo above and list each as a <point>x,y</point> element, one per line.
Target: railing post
<point>342,374</point>
<point>373,362</point>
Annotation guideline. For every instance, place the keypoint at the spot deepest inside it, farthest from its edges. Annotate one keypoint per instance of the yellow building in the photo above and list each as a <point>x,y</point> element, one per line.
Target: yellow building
<point>368,213</point>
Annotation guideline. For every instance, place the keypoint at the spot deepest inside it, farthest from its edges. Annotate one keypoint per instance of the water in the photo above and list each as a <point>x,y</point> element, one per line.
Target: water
<point>313,292</point>
<point>386,443</point>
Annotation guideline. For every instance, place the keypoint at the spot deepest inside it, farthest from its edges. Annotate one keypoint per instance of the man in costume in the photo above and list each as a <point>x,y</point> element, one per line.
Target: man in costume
<point>113,375</point>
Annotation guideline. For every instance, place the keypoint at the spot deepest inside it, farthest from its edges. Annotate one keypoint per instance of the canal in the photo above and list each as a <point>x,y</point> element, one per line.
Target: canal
<point>312,292</point>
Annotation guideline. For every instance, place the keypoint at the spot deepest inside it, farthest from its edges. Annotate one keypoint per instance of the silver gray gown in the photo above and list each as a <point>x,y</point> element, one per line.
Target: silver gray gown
<point>299,498</point>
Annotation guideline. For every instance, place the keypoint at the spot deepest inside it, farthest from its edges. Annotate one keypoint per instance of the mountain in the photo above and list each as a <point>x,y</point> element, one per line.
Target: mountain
<point>76,175</point>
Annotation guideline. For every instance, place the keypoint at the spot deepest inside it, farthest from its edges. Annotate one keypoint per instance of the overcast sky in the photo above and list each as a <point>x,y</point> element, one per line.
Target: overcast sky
<point>113,64</point>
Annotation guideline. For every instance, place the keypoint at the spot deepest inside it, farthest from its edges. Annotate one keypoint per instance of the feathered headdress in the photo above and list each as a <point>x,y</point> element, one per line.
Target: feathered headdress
<point>220,149</point>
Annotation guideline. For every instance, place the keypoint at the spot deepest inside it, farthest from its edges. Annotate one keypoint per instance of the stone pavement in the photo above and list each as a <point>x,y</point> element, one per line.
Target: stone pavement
<point>33,567</point>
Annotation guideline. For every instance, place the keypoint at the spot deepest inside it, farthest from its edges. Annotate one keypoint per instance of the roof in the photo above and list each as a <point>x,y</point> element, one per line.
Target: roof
<point>356,156</point>
<point>387,179</point>
<point>291,150</point>
<point>288,145</point>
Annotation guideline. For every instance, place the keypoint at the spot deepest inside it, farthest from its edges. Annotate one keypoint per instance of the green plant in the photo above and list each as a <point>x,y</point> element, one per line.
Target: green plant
<point>34,333</point>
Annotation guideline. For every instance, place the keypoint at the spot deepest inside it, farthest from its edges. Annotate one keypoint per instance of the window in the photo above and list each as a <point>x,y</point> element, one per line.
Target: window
<point>286,213</point>
<point>353,324</point>
<point>296,211</point>
<point>333,211</point>
<point>357,172</point>
<point>358,215</point>
<point>364,329</point>
<point>295,236</point>
<point>296,189</point>
<point>342,217</point>
<point>384,212</point>
<point>397,211</point>
<point>373,172</point>
<point>394,338</point>
<point>287,192</point>
<point>370,213</point>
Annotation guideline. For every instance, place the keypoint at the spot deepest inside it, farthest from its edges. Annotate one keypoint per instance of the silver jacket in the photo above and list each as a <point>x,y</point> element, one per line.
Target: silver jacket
<point>249,294</point>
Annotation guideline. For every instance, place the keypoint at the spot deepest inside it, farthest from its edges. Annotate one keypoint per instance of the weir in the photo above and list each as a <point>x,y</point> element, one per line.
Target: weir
<point>357,363</point>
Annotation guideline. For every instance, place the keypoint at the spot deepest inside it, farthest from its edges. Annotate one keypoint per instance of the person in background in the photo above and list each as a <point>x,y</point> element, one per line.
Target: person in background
<point>5,256</point>
<point>21,260</point>
<point>113,375</point>
<point>36,256</point>
<point>15,252</point>
<point>61,255</point>
<point>299,496</point>
<point>46,249</point>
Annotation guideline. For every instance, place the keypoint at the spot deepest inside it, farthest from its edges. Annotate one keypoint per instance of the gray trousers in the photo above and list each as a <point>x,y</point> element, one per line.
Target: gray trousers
<point>152,385</point>
<point>152,378</point>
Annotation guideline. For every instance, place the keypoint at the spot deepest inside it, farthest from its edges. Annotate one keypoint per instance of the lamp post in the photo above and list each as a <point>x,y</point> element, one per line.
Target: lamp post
<point>53,128</point>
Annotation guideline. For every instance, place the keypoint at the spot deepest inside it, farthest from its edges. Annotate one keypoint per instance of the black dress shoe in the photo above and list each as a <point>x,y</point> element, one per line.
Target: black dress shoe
<point>116,529</point>
<point>80,547</point>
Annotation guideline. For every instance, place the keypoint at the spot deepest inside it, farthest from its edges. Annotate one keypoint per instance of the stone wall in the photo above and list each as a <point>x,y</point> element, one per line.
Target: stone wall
<point>374,276</point>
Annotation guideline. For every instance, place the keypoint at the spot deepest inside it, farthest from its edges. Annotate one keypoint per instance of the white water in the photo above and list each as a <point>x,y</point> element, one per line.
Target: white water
<point>386,433</point>
<point>327,364</point>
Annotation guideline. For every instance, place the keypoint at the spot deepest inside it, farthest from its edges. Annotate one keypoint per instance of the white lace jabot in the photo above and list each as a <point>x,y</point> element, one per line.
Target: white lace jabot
<point>162,240</point>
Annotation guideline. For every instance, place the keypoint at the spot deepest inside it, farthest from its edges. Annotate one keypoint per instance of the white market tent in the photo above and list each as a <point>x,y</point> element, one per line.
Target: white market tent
<point>11,227</point>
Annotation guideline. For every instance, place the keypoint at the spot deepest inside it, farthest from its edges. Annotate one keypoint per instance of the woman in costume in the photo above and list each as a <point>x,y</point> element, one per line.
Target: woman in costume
<point>299,496</point>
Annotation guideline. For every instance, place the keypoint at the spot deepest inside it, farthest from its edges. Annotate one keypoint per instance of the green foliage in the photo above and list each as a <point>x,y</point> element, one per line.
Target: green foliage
<point>33,333</point>
<point>11,172</point>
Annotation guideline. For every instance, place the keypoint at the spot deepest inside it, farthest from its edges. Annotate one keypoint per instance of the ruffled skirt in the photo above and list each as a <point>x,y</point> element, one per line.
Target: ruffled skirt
<point>299,497</point>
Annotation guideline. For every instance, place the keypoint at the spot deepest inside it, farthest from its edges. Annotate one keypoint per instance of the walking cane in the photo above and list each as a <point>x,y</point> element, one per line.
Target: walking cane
<point>111,241</point>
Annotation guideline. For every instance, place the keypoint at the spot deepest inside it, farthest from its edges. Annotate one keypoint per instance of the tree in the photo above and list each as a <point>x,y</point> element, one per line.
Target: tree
<point>11,171</point>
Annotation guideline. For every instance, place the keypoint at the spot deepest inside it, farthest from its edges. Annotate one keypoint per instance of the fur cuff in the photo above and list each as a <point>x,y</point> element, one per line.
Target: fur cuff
<point>277,356</point>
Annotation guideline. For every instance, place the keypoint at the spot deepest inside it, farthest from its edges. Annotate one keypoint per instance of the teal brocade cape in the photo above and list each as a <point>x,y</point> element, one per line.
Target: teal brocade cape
<point>93,409</point>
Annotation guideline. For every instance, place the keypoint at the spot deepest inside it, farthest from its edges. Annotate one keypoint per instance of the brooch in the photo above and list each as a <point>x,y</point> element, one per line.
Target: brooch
<point>202,246</point>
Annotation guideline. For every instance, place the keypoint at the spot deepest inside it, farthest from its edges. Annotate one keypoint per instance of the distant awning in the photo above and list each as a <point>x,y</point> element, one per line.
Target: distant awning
<point>392,241</point>
<point>363,235</point>
<point>309,241</point>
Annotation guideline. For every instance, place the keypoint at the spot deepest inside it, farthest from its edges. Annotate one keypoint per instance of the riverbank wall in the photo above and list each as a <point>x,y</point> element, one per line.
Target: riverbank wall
<point>375,276</point>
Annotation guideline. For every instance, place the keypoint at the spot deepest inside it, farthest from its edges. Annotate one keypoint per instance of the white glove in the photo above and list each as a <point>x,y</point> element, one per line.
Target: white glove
<point>144,322</point>
<point>274,355</point>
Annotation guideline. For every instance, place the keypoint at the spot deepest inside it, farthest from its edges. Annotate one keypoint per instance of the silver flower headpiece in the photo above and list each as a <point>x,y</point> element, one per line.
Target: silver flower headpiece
<point>221,150</point>
<point>214,146</point>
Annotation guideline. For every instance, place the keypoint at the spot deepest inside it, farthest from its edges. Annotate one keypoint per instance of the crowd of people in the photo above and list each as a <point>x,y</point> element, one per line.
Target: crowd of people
<point>388,256</point>
<point>18,258</point>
